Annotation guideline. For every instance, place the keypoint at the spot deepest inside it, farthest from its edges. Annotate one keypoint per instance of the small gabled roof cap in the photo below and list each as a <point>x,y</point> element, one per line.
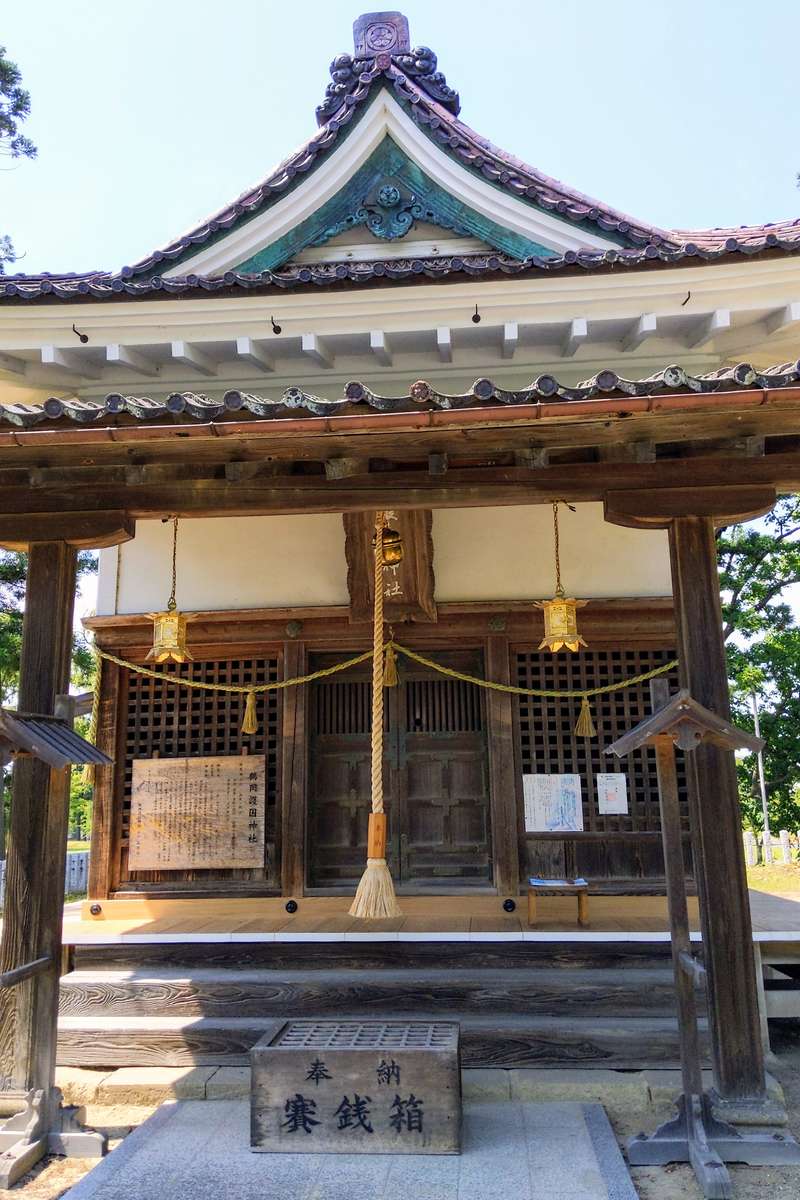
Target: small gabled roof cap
<point>48,739</point>
<point>688,724</point>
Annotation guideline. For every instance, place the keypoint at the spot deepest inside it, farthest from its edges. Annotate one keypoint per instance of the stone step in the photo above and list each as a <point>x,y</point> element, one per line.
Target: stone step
<point>501,1041</point>
<point>225,992</point>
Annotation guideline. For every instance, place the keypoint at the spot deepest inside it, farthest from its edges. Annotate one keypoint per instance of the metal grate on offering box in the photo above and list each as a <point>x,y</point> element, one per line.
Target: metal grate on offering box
<point>368,1035</point>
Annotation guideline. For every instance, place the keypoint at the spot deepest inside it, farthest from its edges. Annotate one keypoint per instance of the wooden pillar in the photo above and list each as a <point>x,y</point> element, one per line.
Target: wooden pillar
<point>109,719</point>
<point>500,720</point>
<point>37,831</point>
<point>293,774</point>
<point>716,821</point>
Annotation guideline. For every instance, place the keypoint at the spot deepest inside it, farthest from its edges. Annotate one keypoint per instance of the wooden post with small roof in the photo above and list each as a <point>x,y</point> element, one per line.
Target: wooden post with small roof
<point>695,1135</point>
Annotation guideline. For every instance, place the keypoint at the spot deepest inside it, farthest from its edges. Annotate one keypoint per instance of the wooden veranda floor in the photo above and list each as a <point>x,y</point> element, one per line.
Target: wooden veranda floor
<point>425,918</point>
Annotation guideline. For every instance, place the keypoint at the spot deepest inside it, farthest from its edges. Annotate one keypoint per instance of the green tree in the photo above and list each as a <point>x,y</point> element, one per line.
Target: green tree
<point>15,107</point>
<point>758,562</point>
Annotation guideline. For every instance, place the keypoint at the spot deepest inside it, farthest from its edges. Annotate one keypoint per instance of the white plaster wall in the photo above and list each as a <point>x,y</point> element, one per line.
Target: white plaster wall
<point>229,563</point>
<point>479,554</point>
<point>507,554</point>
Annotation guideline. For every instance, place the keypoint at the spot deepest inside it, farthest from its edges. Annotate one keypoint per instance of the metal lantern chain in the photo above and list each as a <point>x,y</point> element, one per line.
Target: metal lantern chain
<point>171,605</point>
<point>559,588</point>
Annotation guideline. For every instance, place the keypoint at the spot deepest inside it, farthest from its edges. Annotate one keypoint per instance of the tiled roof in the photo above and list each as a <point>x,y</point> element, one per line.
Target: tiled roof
<point>104,285</point>
<point>433,106</point>
<point>421,396</point>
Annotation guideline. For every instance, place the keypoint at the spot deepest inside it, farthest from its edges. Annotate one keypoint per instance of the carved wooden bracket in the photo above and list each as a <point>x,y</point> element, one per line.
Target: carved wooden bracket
<point>656,508</point>
<point>408,588</point>
<point>84,530</point>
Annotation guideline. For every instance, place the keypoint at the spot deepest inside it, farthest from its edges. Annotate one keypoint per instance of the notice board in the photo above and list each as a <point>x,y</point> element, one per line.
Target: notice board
<point>553,803</point>
<point>197,812</point>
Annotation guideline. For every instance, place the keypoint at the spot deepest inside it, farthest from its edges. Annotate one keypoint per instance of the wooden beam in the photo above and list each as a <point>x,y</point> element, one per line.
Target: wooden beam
<point>316,350</point>
<point>251,352</point>
<point>444,344</point>
<point>56,359</point>
<point>132,360</point>
<point>410,586</point>
<point>707,327</point>
<point>189,356</point>
<point>345,468</point>
<point>724,505</point>
<point>534,458</point>
<point>189,492</point>
<point>642,329</point>
<point>83,530</point>
<point>716,821</point>
<point>576,335</point>
<point>509,339</point>
<point>636,452</point>
<point>437,463</point>
<point>9,362</point>
<point>783,319</point>
<point>379,348</point>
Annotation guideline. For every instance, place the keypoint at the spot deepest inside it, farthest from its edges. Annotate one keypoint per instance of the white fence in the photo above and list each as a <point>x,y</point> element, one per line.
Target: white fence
<point>76,876</point>
<point>784,848</point>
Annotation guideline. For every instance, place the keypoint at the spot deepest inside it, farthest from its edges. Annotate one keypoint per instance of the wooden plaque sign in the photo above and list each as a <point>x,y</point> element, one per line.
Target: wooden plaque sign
<point>197,812</point>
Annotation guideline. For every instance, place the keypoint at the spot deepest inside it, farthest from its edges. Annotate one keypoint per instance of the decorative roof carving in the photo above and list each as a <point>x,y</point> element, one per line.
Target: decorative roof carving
<point>421,396</point>
<point>382,41</point>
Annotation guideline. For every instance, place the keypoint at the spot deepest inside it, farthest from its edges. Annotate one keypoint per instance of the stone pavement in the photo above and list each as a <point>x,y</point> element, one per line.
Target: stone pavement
<point>511,1151</point>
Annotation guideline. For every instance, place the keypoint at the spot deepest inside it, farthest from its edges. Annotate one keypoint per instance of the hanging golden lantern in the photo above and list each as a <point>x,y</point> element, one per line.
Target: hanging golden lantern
<point>392,547</point>
<point>560,613</point>
<point>169,637</point>
<point>169,627</point>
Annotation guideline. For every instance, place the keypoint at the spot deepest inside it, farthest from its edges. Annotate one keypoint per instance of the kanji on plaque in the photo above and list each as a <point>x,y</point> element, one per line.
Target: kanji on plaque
<point>197,812</point>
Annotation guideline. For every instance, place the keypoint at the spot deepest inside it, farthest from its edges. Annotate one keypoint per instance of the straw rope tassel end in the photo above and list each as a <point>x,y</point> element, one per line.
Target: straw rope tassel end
<point>585,725</point>
<point>375,898</point>
<point>250,722</point>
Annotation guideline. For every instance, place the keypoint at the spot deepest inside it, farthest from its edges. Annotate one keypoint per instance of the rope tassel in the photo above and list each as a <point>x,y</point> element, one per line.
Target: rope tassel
<point>375,898</point>
<point>390,667</point>
<point>585,725</point>
<point>250,722</point>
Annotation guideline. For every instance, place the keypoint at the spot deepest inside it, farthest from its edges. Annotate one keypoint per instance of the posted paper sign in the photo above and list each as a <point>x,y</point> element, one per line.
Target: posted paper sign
<point>612,794</point>
<point>552,803</point>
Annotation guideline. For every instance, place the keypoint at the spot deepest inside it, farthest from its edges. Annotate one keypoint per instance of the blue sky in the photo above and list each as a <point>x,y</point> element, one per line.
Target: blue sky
<point>149,115</point>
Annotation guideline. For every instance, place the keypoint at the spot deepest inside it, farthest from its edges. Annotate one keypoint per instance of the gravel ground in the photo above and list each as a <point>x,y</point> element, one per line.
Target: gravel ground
<point>52,1178</point>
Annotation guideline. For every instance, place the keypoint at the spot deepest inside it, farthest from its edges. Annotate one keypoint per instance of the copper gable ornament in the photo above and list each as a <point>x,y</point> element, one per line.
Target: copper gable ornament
<point>169,626</point>
<point>560,613</point>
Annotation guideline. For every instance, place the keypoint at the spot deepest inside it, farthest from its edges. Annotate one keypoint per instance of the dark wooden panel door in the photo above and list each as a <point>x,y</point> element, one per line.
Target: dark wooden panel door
<point>436,786</point>
<point>443,781</point>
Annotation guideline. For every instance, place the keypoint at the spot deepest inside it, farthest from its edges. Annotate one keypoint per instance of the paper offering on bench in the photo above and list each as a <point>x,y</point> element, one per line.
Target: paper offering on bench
<point>612,794</point>
<point>553,803</point>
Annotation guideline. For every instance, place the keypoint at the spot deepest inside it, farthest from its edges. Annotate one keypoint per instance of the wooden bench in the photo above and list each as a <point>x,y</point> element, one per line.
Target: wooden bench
<point>560,887</point>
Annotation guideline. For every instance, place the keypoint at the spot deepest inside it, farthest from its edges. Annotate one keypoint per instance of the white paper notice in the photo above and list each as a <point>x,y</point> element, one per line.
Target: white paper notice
<point>612,794</point>
<point>552,803</point>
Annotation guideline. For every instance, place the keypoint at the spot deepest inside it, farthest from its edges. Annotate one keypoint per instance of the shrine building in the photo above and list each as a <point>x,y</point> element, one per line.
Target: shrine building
<point>549,400</point>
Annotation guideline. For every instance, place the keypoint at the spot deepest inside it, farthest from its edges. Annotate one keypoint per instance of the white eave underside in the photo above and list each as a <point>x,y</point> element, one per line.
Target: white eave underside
<point>383,117</point>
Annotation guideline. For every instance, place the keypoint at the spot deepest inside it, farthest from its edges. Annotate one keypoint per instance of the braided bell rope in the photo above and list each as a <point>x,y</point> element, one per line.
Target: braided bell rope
<point>377,671</point>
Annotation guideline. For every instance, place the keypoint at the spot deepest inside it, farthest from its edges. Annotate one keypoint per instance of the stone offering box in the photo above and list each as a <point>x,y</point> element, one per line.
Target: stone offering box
<point>357,1087</point>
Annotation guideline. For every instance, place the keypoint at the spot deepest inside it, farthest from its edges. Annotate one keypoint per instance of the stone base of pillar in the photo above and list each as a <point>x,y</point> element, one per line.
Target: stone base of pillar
<point>769,1109</point>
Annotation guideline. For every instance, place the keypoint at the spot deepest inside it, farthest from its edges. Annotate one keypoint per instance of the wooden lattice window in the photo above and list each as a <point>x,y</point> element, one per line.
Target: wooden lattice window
<point>169,721</point>
<point>549,744</point>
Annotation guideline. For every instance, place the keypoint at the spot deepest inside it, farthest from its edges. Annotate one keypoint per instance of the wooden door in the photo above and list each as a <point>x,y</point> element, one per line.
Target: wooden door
<point>436,785</point>
<point>443,777</point>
